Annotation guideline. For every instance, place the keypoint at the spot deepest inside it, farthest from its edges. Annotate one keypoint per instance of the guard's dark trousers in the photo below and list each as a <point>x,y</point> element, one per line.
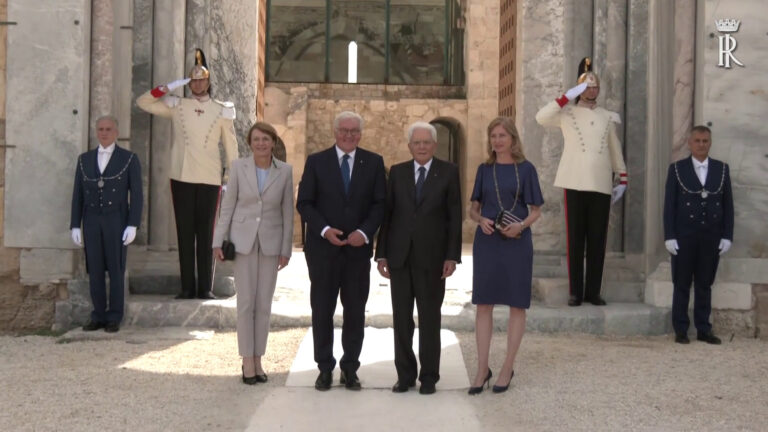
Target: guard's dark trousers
<point>696,261</point>
<point>586,216</point>
<point>195,205</point>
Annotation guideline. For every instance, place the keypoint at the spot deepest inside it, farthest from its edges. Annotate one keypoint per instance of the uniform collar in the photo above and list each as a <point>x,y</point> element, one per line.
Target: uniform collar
<point>697,164</point>
<point>110,148</point>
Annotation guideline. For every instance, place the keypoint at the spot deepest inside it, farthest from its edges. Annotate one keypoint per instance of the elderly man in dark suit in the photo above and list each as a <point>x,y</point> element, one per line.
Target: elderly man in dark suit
<point>106,200</point>
<point>341,199</point>
<point>419,246</point>
<point>698,228</point>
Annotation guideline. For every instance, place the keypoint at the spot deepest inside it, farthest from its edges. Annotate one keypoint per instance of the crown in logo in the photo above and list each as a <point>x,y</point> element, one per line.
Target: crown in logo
<point>727,25</point>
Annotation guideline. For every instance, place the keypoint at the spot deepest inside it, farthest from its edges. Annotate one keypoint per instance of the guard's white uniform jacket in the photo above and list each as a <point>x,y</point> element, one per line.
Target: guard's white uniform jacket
<point>197,129</point>
<point>591,149</point>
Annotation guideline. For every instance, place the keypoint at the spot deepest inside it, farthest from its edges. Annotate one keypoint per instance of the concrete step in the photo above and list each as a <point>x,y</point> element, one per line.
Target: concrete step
<point>554,291</point>
<point>614,319</point>
<point>170,284</point>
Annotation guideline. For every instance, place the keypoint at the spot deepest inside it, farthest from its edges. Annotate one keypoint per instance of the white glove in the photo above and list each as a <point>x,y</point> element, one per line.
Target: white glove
<point>178,83</point>
<point>129,235</point>
<point>725,244</point>
<point>223,188</point>
<point>77,236</point>
<point>574,92</point>
<point>617,192</point>
<point>672,246</point>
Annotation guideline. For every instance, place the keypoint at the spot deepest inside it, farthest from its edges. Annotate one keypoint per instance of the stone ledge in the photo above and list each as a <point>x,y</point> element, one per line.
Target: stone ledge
<point>725,295</point>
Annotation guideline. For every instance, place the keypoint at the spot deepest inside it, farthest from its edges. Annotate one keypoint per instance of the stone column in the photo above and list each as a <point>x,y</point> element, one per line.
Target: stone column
<point>682,106</point>
<point>141,121</point>
<point>482,88</point>
<point>167,65</point>
<point>635,132</point>
<point>228,34</point>
<point>543,41</point>
<point>102,31</point>
<point>659,126</point>
<point>609,55</point>
<point>47,118</point>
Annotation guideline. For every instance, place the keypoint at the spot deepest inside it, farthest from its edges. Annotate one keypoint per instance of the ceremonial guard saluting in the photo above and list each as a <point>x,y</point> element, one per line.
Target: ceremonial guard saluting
<point>698,228</point>
<point>592,159</point>
<point>199,124</point>
<point>106,200</point>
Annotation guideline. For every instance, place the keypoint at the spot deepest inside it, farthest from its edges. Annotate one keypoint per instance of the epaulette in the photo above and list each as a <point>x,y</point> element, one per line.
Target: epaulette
<point>227,110</point>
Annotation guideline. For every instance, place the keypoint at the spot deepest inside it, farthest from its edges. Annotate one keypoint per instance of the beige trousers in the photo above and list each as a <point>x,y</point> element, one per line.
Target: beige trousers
<point>255,279</point>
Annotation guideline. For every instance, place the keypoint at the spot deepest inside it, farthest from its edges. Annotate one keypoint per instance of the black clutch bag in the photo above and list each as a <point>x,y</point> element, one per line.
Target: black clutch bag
<point>228,248</point>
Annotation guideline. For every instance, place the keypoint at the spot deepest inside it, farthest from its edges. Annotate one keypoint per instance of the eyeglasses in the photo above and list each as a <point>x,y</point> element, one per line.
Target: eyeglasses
<point>351,132</point>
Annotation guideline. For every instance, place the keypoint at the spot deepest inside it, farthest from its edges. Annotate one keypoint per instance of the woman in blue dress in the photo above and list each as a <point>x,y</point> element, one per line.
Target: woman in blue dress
<point>505,202</point>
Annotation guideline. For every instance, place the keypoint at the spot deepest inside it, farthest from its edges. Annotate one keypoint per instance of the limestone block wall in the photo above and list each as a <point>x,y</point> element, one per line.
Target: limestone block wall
<point>303,115</point>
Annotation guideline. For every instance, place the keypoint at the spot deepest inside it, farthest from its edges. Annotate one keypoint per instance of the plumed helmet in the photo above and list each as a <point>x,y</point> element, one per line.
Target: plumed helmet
<point>200,69</point>
<point>586,74</point>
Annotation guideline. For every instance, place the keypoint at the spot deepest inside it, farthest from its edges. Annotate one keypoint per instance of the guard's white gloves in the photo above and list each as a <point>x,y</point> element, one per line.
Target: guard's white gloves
<point>617,192</point>
<point>574,92</point>
<point>223,188</point>
<point>77,236</point>
<point>129,235</point>
<point>178,83</point>
<point>725,244</point>
<point>672,246</point>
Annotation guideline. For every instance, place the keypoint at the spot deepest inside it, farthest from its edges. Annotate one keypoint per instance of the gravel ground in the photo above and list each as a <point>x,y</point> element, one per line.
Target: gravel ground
<point>563,382</point>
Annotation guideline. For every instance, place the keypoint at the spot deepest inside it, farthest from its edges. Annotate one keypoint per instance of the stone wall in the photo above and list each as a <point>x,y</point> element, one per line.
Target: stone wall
<point>305,122</point>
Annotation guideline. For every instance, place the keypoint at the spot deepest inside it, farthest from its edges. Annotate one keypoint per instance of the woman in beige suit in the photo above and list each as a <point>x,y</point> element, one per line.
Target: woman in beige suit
<point>257,217</point>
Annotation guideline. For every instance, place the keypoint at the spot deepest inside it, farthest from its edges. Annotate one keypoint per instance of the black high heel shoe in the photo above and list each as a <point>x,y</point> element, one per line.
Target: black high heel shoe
<point>261,378</point>
<point>502,389</point>
<point>250,380</point>
<point>477,390</point>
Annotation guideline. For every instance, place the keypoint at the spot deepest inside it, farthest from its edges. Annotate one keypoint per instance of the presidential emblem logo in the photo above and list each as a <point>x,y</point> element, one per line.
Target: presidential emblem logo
<point>727,43</point>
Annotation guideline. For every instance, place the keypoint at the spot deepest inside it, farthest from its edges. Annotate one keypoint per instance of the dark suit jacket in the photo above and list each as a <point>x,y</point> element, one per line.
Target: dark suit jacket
<point>687,214</point>
<point>322,202</point>
<point>430,230</point>
<point>121,196</point>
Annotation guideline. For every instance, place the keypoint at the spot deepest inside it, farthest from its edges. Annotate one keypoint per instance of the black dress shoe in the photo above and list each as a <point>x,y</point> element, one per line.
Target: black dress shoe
<point>574,301</point>
<point>323,381</point>
<point>350,380</point>
<point>502,389</point>
<point>249,380</point>
<point>709,338</point>
<point>477,390</point>
<point>261,378</point>
<point>427,388</point>
<point>185,296</point>
<point>206,296</point>
<point>597,301</point>
<point>93,325</point>
<point>112,327</point>
<point>402,386</point>
<point>682,338</point>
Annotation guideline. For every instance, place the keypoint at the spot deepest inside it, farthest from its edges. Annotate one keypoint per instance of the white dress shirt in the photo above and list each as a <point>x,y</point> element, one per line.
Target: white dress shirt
<point>701,169</point>
<point>104,155</point>
<point>416,167</point>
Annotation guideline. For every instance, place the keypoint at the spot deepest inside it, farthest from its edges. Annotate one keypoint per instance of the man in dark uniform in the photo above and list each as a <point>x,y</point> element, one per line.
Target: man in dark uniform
<point>106,200</point>
<point>698,228</point>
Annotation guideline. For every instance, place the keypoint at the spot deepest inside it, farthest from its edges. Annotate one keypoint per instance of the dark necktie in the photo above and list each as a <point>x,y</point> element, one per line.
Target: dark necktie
<point>345,177</point>
<point>420,182</point>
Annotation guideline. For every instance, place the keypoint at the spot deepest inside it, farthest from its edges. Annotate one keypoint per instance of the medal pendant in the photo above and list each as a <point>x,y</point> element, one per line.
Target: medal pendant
<point>100,183</point>
<point>704,194</point>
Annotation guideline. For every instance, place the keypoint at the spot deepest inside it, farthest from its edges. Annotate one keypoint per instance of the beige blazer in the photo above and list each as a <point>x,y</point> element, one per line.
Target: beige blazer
<point>198,127</point>
<point>248,216</point>
<point>591,149</point>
